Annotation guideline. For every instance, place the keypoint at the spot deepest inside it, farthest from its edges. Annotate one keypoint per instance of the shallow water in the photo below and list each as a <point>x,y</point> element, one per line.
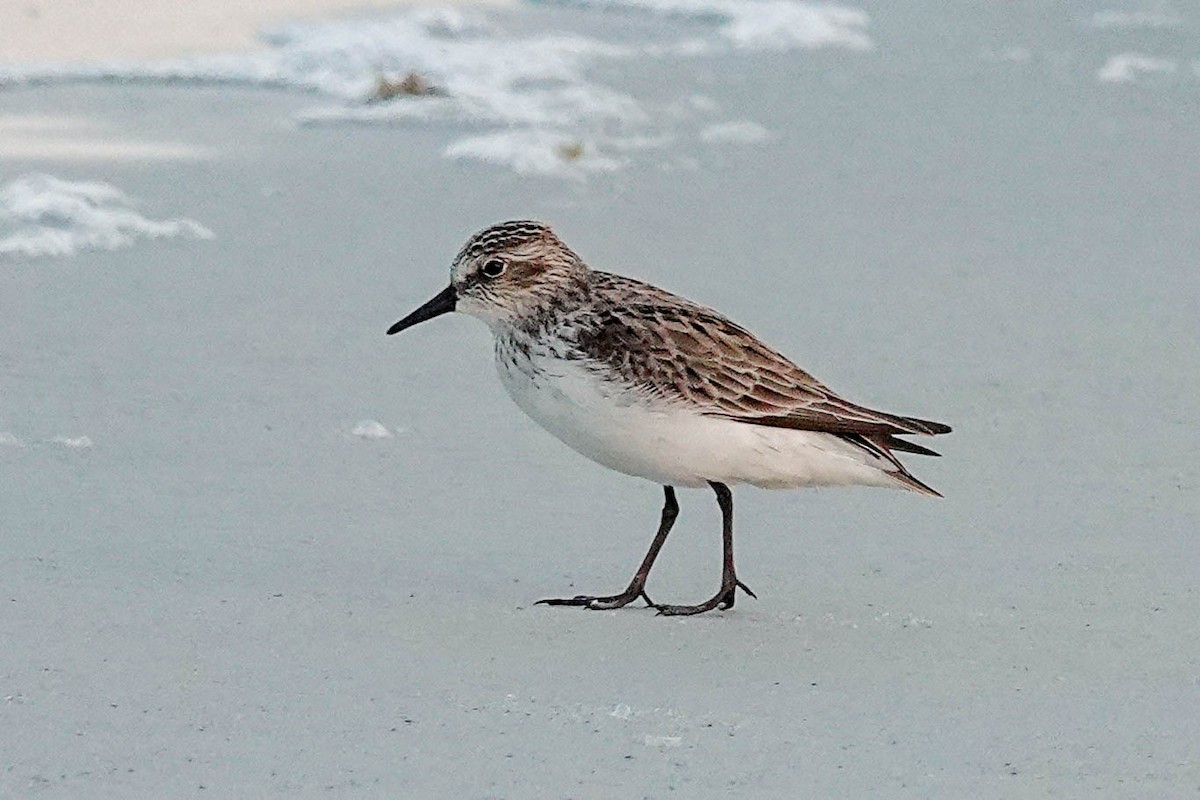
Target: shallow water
<point>229,588</point>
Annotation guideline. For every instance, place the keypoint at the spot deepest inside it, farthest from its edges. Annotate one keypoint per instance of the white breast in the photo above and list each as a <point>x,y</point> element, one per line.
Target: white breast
<point>666,442</point>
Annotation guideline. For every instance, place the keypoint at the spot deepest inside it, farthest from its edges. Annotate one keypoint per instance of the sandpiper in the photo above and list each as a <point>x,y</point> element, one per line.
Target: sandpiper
<point>656,386</point>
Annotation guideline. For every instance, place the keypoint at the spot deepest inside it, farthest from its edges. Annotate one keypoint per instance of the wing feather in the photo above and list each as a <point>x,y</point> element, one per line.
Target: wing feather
<point>677,349</point>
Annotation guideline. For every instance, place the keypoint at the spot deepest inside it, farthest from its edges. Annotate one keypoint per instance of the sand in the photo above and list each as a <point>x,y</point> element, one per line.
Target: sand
<point>132,30</point>
<point>252,546</point>
<point>41,30</point>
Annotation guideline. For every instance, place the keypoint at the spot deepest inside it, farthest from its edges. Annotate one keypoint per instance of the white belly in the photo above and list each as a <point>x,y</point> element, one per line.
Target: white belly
<point>672,445</point>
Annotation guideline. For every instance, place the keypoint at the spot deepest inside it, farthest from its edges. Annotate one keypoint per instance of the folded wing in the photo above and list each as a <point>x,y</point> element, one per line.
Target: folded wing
<point>679,350</point>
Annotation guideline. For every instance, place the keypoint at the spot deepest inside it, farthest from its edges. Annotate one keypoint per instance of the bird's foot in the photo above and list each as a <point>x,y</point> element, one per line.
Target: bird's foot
<point>721,600</point>
<point>600,603</point>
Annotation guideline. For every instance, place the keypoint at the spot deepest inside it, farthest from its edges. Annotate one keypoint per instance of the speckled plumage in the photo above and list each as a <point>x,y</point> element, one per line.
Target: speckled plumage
<point>674,352</point>
<point>686,351</point>
<point>653,385</point>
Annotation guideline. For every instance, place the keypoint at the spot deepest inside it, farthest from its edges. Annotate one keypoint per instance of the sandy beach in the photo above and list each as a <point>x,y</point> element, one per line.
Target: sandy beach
<point>252,546</point>
<point>41,30</point>
<point>111,31</point>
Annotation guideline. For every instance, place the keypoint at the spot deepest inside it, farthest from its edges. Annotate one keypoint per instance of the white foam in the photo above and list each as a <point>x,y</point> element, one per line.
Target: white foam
<point>767,24</point>
<point>9,440</point>
<point>537,92</point>
<point>1160,18</point>
<point>484,75</point>
<point>371,429</point>
<point>1128,67</point>
<point>54,217</point>
<point>735,132</point>
<point>75,442</point>
<point>536,151</point>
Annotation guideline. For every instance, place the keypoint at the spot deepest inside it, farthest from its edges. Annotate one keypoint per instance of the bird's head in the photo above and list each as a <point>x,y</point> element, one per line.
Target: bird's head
<point>505,273</point>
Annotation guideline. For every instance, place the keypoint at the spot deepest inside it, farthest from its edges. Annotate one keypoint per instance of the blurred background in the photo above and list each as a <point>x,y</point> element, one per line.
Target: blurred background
<point>250,545</point>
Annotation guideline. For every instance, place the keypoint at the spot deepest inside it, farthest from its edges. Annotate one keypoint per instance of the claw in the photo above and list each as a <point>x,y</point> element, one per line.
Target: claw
<point>721,601</point>
<point>577,600</point>
<point>597,603</point>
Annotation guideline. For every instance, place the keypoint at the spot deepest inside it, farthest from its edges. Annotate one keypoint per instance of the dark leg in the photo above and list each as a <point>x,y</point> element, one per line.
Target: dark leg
<point>729,582</point>
<point>637,586</point>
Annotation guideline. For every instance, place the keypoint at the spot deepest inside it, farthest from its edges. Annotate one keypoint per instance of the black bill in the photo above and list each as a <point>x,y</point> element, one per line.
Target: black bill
<point>442,303</point>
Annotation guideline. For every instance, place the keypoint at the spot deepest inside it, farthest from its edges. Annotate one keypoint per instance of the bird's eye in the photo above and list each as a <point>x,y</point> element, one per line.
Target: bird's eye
<point>492,268</point>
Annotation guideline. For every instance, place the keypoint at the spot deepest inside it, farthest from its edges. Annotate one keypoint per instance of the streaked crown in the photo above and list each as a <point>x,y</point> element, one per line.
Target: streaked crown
<point>513,270</point>
<point>506,235</point>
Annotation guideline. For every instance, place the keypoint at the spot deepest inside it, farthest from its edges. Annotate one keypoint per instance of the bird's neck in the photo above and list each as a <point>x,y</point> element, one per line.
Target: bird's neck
<point>546,310</point>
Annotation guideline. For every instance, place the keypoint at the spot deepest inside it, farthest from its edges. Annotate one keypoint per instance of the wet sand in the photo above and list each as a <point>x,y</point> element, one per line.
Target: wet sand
<point>231,594</point>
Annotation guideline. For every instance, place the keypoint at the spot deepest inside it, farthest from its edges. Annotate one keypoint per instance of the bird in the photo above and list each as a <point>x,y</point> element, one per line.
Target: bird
<point>655,386</point>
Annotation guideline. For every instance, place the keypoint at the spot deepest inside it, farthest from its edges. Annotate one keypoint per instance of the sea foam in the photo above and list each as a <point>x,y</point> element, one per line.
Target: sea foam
<point>371,429</point>
<point>550,108</point>
<point>73,442</point>
<point>481,74</point>
<point>41,215</point>
<point>765,24</point>
<point>534,151</point>
<point>1128,67</point>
